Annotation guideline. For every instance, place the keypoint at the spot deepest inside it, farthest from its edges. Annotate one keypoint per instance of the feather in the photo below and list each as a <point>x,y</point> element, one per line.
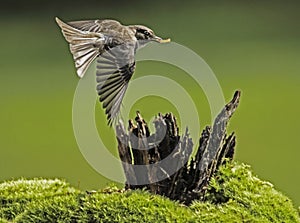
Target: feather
<point>112,83</point>
<point>85,46</point>
<point>115,46</point>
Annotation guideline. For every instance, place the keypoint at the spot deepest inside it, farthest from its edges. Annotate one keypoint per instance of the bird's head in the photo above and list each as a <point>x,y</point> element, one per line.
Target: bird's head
<point>146,34</point>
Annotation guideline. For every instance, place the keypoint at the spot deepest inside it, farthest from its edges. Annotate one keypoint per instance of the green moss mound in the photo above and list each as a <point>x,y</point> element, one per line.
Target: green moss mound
<point>235,195</point>
<point>17,196</point>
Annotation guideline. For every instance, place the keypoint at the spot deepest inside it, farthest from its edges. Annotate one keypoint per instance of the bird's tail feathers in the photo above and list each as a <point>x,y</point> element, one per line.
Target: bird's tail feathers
<point>84,45</point>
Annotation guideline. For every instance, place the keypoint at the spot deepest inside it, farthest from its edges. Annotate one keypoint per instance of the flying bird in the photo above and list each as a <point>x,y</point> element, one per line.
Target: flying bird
<point>115,46</point>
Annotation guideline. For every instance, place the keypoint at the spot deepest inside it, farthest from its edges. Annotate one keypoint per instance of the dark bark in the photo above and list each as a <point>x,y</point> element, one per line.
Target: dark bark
<point>161,162</point>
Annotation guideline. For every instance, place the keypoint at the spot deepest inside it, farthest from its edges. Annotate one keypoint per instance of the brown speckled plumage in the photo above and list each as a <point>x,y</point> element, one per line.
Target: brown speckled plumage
<point>115,46</point>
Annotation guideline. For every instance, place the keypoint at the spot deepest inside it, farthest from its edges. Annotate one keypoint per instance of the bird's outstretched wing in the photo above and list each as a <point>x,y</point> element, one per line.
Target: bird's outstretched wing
<point>85,44</point>
<point>115,68</point>
<point>87,25</point>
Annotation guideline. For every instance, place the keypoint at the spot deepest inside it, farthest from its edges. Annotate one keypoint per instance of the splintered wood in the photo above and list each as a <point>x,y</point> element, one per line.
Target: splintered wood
<point>161,162</point>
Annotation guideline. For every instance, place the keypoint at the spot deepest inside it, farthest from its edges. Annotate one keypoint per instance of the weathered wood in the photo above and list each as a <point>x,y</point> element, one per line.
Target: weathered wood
<point>125,156</point>
<point>159,161</point>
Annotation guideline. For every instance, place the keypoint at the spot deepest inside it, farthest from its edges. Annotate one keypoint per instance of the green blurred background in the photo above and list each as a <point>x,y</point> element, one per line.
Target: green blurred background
<point>253,46</point>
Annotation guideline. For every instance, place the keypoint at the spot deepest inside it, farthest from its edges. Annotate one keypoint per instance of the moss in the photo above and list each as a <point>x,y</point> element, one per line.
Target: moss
<point>137,206</point>
<point>234,195</point>
<point>16,196</point>
<point>53,209</point>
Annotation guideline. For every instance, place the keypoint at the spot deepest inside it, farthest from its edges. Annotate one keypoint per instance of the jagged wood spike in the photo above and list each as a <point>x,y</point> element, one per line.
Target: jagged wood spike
<point>190,181</point>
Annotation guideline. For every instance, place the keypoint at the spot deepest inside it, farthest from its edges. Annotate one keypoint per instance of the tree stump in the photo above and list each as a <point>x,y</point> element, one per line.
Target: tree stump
<point>161,162</point>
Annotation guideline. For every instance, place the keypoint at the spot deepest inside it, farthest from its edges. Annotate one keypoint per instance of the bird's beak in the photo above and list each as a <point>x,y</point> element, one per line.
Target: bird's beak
<point>160,40</point>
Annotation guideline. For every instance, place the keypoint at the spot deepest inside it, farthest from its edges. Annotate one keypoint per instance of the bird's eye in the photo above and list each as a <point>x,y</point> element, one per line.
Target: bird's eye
<point>146,33</point>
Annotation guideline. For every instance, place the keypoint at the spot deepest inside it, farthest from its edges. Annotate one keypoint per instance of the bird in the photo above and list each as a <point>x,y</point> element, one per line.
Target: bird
<point>114,45</point>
